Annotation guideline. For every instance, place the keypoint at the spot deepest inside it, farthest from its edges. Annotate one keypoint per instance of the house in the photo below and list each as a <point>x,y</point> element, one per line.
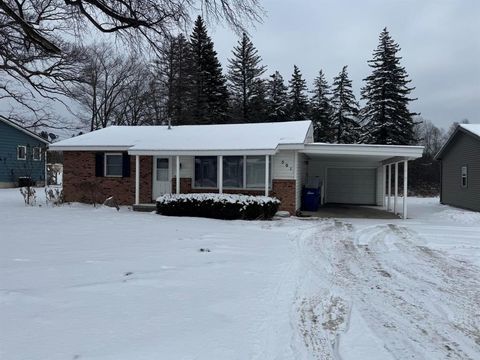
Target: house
<point>460,168</point>
<point>137,164</point>
<point>22,155</point>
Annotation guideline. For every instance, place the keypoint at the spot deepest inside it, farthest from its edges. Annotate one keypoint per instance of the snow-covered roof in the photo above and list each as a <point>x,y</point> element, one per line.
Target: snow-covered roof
<point>149,140</point>
<point>473,128</point>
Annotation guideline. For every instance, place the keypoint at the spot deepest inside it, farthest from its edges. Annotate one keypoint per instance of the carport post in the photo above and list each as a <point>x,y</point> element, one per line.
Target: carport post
<point>389,186</point>
<point>177,178</point>
<point>267,168</point>
<point>405,188</point>
<point>220,174</point>
<point>384,178</point>
<point>396,189</point>
<point>137,179</point>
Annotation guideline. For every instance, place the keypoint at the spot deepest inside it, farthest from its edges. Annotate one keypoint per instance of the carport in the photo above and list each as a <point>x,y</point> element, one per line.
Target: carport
<point>360,174</point>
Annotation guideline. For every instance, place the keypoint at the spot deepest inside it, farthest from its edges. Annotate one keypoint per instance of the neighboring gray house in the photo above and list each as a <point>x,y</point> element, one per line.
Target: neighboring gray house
<point>460,168</point>
<point>22,155</point>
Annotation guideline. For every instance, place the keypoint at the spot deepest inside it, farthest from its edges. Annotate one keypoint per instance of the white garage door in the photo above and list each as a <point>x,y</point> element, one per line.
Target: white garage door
<point>351,186</point>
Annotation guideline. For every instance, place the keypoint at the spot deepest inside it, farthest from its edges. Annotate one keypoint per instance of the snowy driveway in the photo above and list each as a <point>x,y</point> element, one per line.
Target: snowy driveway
<point>83,283</point>
<point>379,292</point>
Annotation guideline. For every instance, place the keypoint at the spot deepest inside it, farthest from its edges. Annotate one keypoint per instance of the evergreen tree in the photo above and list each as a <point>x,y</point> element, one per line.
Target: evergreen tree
<point>345,109</point>
<point>173,73</point>
<point>321,110</point>
<point>386,115</point>
<point>209,98</point>
<point>246,86</point>
<point>297,99</point>
<point>276,98</point>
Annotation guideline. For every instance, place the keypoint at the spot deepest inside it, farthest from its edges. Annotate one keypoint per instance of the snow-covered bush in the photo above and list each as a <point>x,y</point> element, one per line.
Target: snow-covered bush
<point>29,195</point>
<point>53,196</point>
<point>218,206</point>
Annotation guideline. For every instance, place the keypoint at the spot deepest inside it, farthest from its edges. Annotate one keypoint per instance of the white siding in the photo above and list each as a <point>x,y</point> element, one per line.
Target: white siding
<point>300,175</point>
<point>380,182</point>
<point>187,166</point>
<point>283,165</point>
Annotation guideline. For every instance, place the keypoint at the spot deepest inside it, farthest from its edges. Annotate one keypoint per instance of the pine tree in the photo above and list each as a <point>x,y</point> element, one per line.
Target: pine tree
<point>173,73</point>
<point>246,86</point>
<point>321,110</point>
<point>209,92</point>
<point>277,98</point>
<point>386,115</point>
<point>297,99</point>
<point>345,109</point>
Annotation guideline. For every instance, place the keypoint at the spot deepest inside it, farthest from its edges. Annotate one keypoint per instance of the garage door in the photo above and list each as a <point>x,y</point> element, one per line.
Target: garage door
<point>351,186</point>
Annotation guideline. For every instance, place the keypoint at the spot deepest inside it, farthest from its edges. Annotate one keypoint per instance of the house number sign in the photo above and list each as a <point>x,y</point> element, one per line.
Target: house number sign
<point>286,165</point>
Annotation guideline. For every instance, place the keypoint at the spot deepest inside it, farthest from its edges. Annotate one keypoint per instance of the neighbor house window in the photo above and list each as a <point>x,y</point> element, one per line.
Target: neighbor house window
<point>464,176</point>
<point>113,164</point>
<point>36,154</point>
<point>233,171</point>
<point>21,152</point>
<point>206,171</point>
<point>255,171</point>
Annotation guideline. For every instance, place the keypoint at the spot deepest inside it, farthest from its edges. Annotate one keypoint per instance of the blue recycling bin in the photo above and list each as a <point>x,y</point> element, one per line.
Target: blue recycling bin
<point>311,199</point>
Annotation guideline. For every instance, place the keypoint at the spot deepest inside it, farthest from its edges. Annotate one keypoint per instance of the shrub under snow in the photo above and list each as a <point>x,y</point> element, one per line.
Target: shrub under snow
<point>218,206</point>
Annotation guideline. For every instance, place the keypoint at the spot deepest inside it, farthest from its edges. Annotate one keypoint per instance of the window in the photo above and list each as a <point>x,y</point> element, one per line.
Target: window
<point>162,169</point>
<point>113,165</point>
<point>206,171</point>
<point>233,171</point>
<point>255,172</point>
<point>464,176</point>
<point>21,152</point>
<point>37,154</point>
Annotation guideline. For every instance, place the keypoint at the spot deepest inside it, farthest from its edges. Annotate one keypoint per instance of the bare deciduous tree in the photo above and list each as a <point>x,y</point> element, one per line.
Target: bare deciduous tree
<point>41,41</point>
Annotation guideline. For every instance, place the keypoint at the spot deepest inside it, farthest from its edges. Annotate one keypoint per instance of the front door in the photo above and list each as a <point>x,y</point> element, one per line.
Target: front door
<point>161,176</point>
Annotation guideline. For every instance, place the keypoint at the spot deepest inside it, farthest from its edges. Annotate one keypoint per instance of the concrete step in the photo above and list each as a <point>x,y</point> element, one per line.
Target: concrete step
<point>144,207</point>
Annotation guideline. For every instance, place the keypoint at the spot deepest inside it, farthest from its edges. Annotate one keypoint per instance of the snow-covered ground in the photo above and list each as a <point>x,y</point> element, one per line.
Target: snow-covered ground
<point>84,283</point>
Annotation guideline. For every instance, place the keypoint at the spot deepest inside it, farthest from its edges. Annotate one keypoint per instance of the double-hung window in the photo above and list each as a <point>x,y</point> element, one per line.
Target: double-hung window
<point>21,152</point>
<point>206,171</point>
<point>36,154</point>
<point>464,176</point>
<point>113,164</point>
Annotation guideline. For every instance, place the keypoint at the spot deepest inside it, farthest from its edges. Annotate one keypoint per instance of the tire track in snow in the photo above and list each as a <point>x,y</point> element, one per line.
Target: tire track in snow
<point>418,301</point>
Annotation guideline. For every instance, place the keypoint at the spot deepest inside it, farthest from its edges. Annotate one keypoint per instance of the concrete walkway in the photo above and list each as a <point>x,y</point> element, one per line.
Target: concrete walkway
<point>343,211</point>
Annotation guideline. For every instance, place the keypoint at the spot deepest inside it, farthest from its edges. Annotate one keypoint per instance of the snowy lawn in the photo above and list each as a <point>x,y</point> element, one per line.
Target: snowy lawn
<point>84,283</point>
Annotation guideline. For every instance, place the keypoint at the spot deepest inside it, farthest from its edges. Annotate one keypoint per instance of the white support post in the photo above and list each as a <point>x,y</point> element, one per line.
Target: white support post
<point>267,175</point>
<point>389,186</point>
<point>220,174</point>
<point>45,164</point>
<point>177,175</point>
<point>405,188</point>
<point>137,179</point>
<point>384,187</point>
<point>395,199</point>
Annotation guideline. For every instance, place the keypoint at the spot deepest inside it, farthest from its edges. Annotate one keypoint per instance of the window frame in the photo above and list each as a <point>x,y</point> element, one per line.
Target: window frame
<point>243,172</point>
<point>39,149</point>
<point>194,185</point>
<point>464,176</point>
<point>244,182</point>
<point>105,156</point>
<point>24,152</point>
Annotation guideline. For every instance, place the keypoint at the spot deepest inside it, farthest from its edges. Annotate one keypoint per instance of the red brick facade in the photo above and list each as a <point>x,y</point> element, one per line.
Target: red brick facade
<point>80,183</point>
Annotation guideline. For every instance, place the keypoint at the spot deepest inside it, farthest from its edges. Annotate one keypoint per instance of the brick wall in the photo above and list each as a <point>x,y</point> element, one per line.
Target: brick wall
<point>80,183</point>
<point>284,190</point>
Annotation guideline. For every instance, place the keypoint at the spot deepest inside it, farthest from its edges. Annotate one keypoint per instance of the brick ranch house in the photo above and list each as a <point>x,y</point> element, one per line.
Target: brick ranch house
<point>137,164</point>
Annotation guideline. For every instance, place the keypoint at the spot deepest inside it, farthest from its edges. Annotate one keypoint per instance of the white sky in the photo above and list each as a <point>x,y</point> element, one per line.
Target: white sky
<point>440,41</point>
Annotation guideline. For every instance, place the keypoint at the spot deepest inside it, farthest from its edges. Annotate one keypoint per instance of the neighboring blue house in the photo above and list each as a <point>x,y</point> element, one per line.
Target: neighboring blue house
<point>22,155</point>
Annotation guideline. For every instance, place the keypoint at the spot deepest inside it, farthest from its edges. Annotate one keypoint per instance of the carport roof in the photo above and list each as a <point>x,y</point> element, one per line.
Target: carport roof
<point>385,153</point>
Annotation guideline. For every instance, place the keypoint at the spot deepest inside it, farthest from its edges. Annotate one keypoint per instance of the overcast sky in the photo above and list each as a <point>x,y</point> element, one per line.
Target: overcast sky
<point>440,42</point>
